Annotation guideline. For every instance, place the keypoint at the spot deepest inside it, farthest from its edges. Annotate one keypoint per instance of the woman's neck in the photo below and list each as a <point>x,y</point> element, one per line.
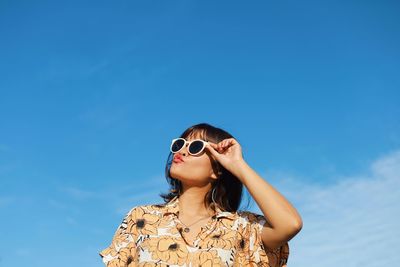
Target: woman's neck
<point>191,202</point>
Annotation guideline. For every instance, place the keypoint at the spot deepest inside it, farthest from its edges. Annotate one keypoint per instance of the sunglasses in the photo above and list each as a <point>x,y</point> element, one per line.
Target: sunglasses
<point>195,146</point>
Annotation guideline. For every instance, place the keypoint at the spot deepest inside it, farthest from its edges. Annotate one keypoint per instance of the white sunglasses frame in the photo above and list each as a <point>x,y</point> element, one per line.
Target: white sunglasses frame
<point>188,142</point>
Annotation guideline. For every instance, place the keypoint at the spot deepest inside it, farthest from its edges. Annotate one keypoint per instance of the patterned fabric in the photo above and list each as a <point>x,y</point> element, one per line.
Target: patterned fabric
<point>151,235</point>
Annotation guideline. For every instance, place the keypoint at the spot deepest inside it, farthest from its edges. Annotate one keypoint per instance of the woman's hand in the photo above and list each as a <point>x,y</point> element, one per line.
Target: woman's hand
<point>228,153</point>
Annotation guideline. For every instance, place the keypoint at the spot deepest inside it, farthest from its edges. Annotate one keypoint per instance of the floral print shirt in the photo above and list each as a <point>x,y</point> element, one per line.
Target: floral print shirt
<point>151,235</point>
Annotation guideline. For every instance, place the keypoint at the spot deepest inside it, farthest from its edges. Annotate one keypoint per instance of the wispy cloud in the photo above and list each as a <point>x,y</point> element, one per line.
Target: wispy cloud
<point>78,193</point>
<point>145,192</point>
<point>351,223</point>
<point>122,198</point>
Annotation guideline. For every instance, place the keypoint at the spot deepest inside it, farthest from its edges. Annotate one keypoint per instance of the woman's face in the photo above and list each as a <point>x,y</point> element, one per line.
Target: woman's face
<point>194,170</point>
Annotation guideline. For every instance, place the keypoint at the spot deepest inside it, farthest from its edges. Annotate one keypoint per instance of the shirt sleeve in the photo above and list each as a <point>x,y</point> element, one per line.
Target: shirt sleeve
<point>122,250</point>
<point>258,252</point>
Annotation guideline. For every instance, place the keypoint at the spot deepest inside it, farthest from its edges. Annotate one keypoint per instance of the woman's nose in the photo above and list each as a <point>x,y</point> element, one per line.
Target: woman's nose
<point>184,151</point>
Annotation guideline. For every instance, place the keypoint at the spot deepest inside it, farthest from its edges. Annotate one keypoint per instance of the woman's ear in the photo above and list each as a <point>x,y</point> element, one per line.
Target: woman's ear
<point>215,175</point>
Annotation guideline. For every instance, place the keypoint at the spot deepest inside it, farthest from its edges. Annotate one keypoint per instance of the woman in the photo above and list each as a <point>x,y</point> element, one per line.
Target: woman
<point>200,224</point>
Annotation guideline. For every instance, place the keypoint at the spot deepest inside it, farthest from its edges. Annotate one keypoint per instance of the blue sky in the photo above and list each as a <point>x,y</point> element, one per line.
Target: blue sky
<point>92,93</point>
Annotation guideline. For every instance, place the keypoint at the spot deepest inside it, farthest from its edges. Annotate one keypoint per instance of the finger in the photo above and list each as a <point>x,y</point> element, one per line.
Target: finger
<point>222,146</point>
<point>212,148</point>
<point>219,145</point>
<point>213,145</point>
<point>228,140</point>
<point>226,143</point>
<point>231,141</point>
<point>217,148</point>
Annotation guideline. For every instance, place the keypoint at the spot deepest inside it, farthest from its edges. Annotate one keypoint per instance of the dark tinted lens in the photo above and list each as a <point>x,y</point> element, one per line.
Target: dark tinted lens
<point>177,145</point>
<point>195,147</point>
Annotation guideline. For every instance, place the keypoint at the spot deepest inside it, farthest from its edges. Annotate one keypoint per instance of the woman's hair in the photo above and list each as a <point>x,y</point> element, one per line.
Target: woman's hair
<point>228,188</point>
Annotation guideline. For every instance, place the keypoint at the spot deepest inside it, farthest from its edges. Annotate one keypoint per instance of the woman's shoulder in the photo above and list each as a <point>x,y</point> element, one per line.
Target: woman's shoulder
<point>250,217</point>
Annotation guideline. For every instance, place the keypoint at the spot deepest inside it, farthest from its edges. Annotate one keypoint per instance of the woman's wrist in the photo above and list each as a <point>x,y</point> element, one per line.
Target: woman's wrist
<point>239,169</point>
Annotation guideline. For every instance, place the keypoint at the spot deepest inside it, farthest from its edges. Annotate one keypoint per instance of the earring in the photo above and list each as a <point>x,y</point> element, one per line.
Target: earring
<point>176,188</point>
<point>212,196</point>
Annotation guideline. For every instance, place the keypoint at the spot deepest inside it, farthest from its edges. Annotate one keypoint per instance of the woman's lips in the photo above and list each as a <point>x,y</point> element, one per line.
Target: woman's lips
<point>177,160</point>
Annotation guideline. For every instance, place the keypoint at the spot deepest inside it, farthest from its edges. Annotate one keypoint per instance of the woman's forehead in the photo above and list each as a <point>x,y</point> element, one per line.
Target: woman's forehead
<point>195,135</point>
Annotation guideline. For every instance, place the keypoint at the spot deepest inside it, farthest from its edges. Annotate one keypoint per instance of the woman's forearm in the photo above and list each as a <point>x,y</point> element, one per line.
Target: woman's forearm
<point>281,215</point>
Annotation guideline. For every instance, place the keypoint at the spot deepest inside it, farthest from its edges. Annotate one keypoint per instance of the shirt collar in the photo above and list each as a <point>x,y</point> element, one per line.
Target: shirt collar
<point>173,207</point>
